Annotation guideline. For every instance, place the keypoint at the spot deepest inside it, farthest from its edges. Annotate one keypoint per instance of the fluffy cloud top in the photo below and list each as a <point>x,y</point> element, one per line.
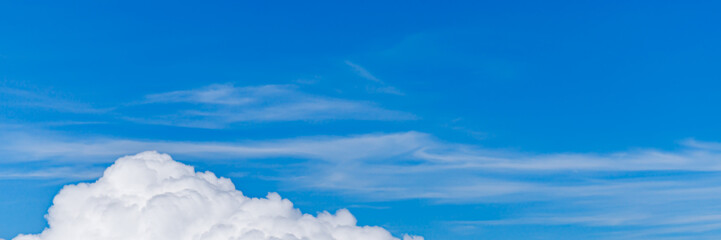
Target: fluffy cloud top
<point>150,196</point>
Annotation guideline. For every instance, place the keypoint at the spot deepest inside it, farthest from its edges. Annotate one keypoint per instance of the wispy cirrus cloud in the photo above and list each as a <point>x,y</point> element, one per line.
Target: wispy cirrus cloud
<point>214,106</point>
<point>53,173</point>
<point>220,105</point>
<point>22,98</point>
<point>361,71</point>
<point>648,188</point>
<point>379,85</point>
<point>28,146</point>
<point>414,151</point>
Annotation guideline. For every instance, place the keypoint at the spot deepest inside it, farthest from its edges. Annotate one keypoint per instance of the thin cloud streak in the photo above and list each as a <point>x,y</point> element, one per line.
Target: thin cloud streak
<point>215,106</point>
<point>14,97</point>
<point>73,173</point>
<point>361,71</point>
<point>427,152</point>
<point>414,165</point>
<point>380,87</point>
<point>218,106</point>
<point>331,149</point>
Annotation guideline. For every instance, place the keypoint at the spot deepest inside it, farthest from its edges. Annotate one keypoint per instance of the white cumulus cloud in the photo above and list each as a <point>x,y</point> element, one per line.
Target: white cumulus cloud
<point>150,196</point>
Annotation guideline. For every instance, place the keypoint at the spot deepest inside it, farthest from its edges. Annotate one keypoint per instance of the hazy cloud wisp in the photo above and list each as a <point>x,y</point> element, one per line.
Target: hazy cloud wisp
<point>414,165</point>
<point>219,105</point>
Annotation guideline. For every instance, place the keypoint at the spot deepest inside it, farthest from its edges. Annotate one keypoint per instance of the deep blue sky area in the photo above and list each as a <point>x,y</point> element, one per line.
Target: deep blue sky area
<point>527,119</point>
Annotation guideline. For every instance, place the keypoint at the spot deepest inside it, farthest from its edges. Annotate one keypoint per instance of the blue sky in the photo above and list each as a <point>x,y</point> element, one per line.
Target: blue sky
<point>463,120</point>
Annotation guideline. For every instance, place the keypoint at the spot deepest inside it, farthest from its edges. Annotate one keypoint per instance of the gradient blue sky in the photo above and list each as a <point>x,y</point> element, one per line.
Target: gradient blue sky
<point>462,120</point>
